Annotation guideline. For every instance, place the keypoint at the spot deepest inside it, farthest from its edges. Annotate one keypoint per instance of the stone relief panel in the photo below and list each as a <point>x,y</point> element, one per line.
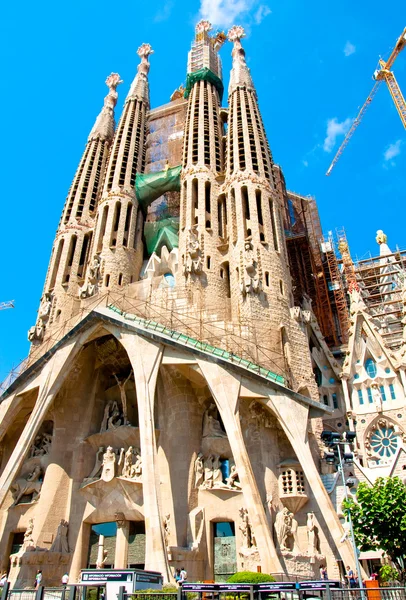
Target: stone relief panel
<point>111,463</point>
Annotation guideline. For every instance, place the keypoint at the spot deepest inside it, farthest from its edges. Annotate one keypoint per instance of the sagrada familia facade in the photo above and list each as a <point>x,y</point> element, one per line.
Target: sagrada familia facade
<point>194,337</point>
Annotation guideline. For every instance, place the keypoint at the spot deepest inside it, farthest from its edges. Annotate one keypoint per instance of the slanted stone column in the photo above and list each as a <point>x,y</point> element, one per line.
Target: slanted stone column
<point>121,555</point>
<point>55,373</point>
<point>293,418</point>
<point>145,357</point>
<point>225,388</point>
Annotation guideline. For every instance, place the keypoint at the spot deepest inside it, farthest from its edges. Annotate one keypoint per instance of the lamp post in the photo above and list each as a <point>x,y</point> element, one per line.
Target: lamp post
<point>334,441</point>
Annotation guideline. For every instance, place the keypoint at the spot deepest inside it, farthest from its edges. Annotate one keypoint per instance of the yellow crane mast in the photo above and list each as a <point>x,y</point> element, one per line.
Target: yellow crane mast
<point>384,73</point>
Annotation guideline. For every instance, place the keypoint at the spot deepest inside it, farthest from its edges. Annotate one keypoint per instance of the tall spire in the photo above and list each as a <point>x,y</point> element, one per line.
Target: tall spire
<point>104,125</point>
<point>240,74</point>
<point>139,88</point>
<point>70,251</point>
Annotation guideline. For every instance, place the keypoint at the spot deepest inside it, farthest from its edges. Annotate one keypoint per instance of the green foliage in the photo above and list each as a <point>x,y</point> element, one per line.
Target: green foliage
<point>250,577</point>
<point>379,518</point>
<point>388,573</point>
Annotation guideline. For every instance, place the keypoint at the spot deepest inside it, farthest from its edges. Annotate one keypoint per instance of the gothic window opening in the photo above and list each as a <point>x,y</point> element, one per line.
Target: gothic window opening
<point>127,224</point>
<point>360,397</point>
<point>84,252</point>
<point>107,281</point>
<point>85,185</point>
<point>273,225</point>
<point>69,261</point>
<point>117,143</point>
<point>335,400</point>
<point>383,394</point>
<point>217,133</point>
<point>245,209</point>
<point>55,268</point>
<point>102,228</point>
<point>231,139</point>
<point>208,262</point>
<point>207,201</point>
<point>267,278</point>
<point>120,279</point>
<point>392,391</point>
<point>116,222</point>
<point>74,189</point>
<point>384,441</point>
<point>233,215</point>
<point>225,274</point>
<point>222,215</point>
<point>97,175</point>
<point>138,144</point>
<point>206,123</point>
<point>195,205</point>
<point>370,367</point>
<point>240,135</point>
<point>292,481</point>
<point>127,144</point>
<point>195,137</point>
<point>251,135</point>
<point>369,394</point>
<point>318,375</point>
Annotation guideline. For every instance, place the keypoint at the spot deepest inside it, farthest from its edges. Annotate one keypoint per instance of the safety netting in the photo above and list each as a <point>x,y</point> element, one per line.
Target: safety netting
<point>162,233</point>
<point>204,75</point>
<point>149,186</point>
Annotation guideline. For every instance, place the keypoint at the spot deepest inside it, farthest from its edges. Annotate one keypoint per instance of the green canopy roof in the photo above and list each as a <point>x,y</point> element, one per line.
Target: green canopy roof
<point>149,186</point>
<point>204,75</point>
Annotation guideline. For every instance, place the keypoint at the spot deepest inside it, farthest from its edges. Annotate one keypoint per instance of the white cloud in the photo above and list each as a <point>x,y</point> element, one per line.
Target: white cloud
<point>349,49</point>
<point>223,13</point>
<point>305,163</point>
<point>262,12</point>
<point>335,129</point>
<point>392,150</point>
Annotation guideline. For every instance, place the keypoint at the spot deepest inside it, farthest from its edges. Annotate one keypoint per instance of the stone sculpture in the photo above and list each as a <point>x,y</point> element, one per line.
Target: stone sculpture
<point>193,263</point>
<point>248,536</point>
<point>98,463</point>
<point>41,445</point>
<point>37,332</point>
<point>91,286</point>
<point>283,527</point>
<point>250,282</point>
<point>128,463</point>
<point>111,417</point>
<point>294,534</point>
<point>311,535</point>
<point>211,425</point>
<point>208,472</point>
<point>123,396</point>
<point>167,529</point>
<point>232,480</point>
<point>28,535</point>
<point>199,470</point>
<point>60,543</point>
<point>109,465</point>
<point>217,474</point>
<point>24,486</point>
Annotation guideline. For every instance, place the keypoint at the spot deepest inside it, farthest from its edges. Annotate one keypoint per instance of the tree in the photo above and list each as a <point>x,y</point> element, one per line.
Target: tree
<point>379,518</point>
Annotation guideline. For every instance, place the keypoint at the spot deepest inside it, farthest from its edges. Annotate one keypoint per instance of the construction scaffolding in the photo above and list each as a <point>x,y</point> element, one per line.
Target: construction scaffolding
<point>381,279</point>
<point>303,237</point>
<point>337,286</point>
<point>185,312</point>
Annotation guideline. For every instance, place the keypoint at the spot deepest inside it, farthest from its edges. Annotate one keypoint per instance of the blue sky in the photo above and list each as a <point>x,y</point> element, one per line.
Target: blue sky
<point>312,63</point>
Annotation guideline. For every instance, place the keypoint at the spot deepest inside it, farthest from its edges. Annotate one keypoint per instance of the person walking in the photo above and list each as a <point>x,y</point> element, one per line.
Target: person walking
<point>351,578</point>
<point>65,579</point>
<point>3,580</point>
<point>183,575</point>
<point>323,572</point>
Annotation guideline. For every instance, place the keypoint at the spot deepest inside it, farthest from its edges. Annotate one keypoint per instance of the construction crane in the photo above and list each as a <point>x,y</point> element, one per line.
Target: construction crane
<point>4,305</point>
<point>385,74</point>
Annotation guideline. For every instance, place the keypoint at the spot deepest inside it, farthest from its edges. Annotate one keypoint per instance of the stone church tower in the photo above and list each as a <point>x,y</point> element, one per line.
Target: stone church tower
<point>180,371</point>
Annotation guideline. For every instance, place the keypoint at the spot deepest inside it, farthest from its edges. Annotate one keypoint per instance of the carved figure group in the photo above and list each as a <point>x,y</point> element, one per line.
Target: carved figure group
<point>28,536</point>
<point>211,423</point>
<point>112,417</point>
<point>112,463</point>
<point>246,529</point>
<point>60,543</point>
<point>193,263</point>
<point>208,474</point>
<point>37,332</point>
<point>286,528</point>
<point>25,486</point>
<point>41,445</point>
<point>167,529</point>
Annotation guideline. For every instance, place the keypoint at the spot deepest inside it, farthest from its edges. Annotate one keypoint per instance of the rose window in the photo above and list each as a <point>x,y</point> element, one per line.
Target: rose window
<point>384,442</point>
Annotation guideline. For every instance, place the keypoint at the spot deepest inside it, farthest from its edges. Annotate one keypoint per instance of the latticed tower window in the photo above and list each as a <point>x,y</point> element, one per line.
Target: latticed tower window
<point>292,482</point>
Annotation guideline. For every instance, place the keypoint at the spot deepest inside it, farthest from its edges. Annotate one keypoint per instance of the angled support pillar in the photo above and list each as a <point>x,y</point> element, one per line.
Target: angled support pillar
<point>293,418</point>
<point>145,357</point>
<point>54,374</point>
<point>225,388</point>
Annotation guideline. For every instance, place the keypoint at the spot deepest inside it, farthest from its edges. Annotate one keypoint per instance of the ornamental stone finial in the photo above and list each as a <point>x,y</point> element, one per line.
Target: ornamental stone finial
<point>144,51</point>
<point>203,26</point>
<point>236,33</point>
<point>113,80</point>
<point>381,238</point>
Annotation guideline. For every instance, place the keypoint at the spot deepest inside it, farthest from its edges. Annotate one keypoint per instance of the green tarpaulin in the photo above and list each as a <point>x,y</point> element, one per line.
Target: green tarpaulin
<point>149,186</point>
<point>204,75</point>
<point>162,233</point>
